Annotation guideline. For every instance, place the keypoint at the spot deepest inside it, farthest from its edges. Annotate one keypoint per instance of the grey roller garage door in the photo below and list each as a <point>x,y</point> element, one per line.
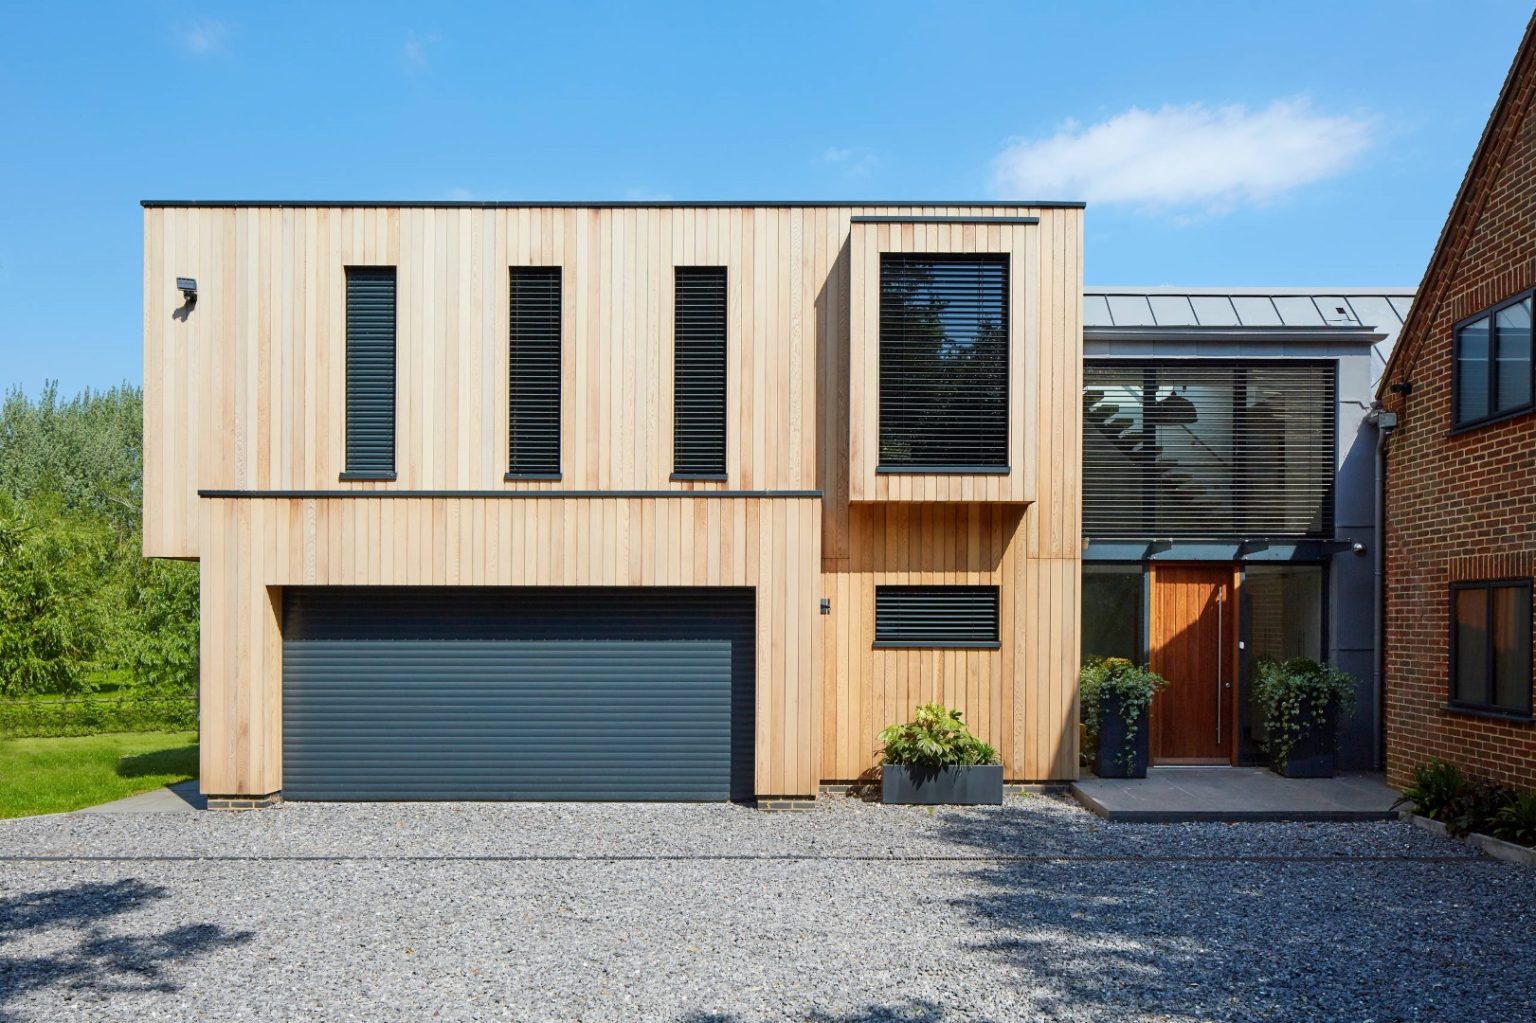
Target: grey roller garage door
<point>517,693</point>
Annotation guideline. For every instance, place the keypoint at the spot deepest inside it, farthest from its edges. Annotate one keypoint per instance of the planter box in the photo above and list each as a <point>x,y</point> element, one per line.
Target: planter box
<point>1110,761</point>
<point>1499,849</point>
<point>956,786</point>
<point>1314,754</point>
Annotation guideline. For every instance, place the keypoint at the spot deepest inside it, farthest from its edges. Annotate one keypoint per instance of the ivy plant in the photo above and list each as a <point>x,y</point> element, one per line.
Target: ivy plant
<point>1299,695</point>
<point>1134,684</point>
<point>935,737</point>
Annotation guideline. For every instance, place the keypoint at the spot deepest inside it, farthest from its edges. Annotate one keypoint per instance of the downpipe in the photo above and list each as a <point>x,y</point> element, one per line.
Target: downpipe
<point>1384,422</point>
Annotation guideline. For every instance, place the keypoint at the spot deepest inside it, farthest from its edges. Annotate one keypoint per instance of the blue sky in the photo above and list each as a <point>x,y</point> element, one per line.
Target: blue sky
<point>1217,143</point>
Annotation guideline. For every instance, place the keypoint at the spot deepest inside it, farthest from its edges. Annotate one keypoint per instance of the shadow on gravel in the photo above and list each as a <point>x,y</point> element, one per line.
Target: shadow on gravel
<point>98,963</point>
<point>1224,939</point>
<point>910,1011</point>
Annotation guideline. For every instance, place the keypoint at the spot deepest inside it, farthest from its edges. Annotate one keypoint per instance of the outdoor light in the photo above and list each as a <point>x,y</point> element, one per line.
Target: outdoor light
<point>188,286</point>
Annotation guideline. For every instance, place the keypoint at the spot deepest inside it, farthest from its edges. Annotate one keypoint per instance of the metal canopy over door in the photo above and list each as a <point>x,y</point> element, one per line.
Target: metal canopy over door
<point>1193,619</point>
<point>518,693</point>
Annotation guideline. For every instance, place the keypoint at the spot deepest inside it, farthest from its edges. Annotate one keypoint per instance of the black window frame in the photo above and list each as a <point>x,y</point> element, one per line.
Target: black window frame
<point>1003,467</point>
<point>525,471</point>
<point>683,465</point>
<point>352,471</point>
<point>1488,587</point>
<point>1491,313</point>
<point>993,641</point>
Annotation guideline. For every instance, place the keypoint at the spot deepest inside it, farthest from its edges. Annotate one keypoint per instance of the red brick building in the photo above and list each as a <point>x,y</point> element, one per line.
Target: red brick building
<point>1461,472</point>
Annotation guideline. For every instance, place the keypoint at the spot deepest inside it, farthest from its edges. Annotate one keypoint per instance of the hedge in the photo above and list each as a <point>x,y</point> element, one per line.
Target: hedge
<point>36,719</point>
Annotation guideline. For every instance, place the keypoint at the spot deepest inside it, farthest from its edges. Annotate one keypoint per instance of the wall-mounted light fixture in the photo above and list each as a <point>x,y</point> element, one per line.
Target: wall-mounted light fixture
<point>188,286</point>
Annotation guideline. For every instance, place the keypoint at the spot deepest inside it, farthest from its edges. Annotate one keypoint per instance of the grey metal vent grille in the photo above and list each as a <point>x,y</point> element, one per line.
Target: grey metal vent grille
<point>936,616</point>
<point>371,369</point>
<point>533,368</point>
<point>943,362</point>
<point>698,423</point>
<point>1183,450</point>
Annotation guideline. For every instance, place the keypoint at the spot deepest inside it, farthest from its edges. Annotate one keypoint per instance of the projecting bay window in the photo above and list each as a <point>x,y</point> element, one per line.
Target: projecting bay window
<point>1492,374</point>
<point>370,366</point>
<point>1490,655</point>
<point>943,363</point>
<point>533,374</point>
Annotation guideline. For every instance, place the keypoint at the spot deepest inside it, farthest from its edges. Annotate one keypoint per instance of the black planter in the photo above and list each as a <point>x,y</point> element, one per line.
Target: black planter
<point>1313,754</point>
<point>1111,760</point>
<point>934,786</point>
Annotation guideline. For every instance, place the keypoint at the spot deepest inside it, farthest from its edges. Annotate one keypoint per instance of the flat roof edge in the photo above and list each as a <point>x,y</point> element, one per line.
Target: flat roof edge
<point>1285,292</point>
<point>564,204</point>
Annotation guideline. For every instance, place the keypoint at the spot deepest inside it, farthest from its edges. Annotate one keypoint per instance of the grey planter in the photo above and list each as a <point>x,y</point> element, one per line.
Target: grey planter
<point>1111,760</point>
<point>954,786</point>
<point>1314,753</point>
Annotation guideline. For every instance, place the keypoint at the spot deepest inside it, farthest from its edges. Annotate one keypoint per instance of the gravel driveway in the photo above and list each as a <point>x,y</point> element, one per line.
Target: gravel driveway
<point>848,913</point>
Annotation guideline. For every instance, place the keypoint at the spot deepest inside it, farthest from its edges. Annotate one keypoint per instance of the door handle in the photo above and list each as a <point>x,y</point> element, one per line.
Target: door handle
<point>1221,656</point>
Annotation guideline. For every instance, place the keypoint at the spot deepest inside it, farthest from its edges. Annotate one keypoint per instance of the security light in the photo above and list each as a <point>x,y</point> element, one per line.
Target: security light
<point>188,286</point>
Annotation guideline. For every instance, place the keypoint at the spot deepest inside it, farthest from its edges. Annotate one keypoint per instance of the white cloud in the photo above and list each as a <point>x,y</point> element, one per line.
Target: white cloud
<point>204,37</point>
<point>415,52</point>
<point>854,161</point>
<point>1188,157</point>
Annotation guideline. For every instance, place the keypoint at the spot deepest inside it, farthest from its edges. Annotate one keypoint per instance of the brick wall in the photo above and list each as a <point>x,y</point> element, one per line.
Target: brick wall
<point>1463,506</point>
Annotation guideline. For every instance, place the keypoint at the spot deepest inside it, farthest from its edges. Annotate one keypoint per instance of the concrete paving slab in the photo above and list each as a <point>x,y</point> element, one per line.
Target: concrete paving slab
<point>182,797</point>
<point>1172,794</point>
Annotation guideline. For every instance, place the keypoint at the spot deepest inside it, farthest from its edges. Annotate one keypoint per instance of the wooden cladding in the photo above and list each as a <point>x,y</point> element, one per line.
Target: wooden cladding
<point>243,403</point>
<point>943,362</point>
<point>371,371</point>
<point>698,371</point>
<point>533,373</point>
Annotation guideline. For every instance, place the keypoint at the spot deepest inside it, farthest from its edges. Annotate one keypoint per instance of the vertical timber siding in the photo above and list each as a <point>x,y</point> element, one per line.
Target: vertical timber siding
<point>244,393</point>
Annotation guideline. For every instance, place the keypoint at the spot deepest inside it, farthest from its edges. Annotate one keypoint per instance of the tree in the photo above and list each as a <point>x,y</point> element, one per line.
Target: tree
<point>53,620</point>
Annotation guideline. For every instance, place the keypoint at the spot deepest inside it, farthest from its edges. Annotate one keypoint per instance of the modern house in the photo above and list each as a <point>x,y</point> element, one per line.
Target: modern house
<point>1230,497</point>
<point>615,501</point>
<point>1461,494</point>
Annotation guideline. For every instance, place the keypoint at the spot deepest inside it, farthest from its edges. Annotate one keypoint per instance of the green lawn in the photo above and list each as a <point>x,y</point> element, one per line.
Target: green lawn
<point>54,775</point>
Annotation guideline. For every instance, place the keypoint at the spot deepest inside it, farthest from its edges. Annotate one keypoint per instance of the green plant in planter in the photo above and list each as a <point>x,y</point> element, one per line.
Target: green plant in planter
<point>1134,684</point>
<point>1298,695</point>
<point>936,737</point>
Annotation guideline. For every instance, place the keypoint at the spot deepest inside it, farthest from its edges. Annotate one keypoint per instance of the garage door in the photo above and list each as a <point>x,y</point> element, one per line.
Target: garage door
<point>517,693</point>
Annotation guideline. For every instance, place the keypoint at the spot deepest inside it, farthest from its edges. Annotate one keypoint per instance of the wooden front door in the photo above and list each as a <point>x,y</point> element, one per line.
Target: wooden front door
<point>1194,646</point>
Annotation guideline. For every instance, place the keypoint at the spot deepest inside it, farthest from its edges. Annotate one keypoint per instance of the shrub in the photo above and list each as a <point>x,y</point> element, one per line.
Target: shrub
<point>936,737</point>
<point>41,719</point>
<point>1299,695</point>
<point>1135,685</point>
<point>1515,821</point>
<point>1441,792</point>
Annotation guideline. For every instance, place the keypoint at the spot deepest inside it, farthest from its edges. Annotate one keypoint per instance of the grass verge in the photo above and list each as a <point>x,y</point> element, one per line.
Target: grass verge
<point>55,775</point>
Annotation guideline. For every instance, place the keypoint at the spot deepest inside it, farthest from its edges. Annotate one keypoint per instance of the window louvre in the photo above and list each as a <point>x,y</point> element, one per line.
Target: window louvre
<point>936,616</point>
<point>1208,450</point>
<point>371,371</point>
<point>943,362</point>
<point>698,396</point>
<point>1490,655</point>
<point>533,373</point>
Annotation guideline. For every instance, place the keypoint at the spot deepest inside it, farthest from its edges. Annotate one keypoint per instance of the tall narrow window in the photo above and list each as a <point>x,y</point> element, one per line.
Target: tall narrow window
<point>370,373</point>
<point>1491,647</point>
<point>533,372</point>
<point>943,363</point>
<point>1494,366</point>
<point>698,371</point>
